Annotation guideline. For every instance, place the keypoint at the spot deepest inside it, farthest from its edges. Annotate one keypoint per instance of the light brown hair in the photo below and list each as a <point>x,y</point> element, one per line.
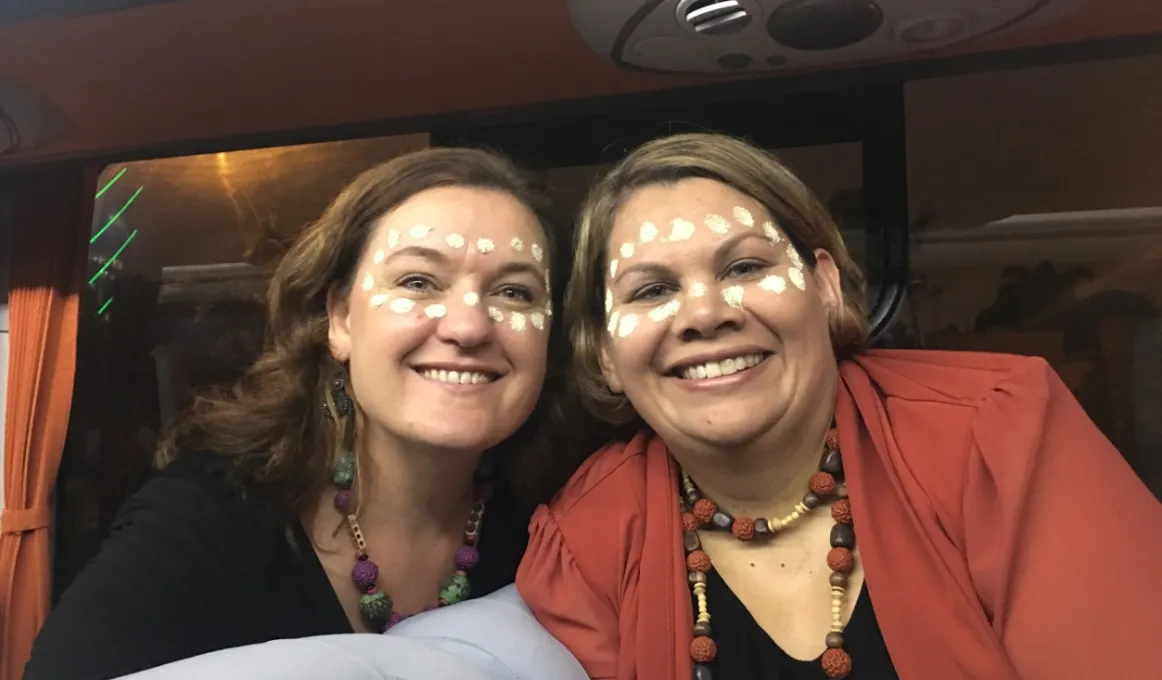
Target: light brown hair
<point>742,166</point>
<point>272,423</point>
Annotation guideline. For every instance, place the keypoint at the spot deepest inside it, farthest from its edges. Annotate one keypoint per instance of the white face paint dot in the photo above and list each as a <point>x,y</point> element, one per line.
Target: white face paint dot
<point>379,256</point>
<point>549,309</point>
<point>793,256</point>
<point>612,268</point>
<point>733,296</point>
<point>454,240</point>
<point>538,320</point>
<point>402,305</point>
<point>392,238</point>
<point>608,300</point>
<point>378,300</point>
<point>495,314</point>
<point>485,245</point>
<point>368,282</point>
<point>771,232</point>
<point>471,298</point>
<point>613,319</point>
<point>517,321</point>
<point>717,224</point>
<point>796,276</point>
<point>419,230</point>
<point>743,216</point>
<point>647,233</point>
<point>681,229</point>
<point>697,289</point>
<point>626,249</point>
<point>626,325</point>
<point>537,251</point>
<point>773,284</point>
<point>517,244</point>
<point>666,311</point>
<point>436,311</point>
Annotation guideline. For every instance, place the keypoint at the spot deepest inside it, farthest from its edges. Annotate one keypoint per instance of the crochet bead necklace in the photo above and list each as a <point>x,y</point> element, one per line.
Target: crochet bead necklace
<point>701,513</point>
<point>375,605</point>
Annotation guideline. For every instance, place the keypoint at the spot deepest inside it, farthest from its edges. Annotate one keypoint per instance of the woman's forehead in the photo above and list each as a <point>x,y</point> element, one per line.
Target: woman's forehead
<point>693,199</point>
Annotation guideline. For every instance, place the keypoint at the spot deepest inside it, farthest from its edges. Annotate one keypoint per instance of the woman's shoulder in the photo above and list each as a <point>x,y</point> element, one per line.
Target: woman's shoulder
<point>947,377</point>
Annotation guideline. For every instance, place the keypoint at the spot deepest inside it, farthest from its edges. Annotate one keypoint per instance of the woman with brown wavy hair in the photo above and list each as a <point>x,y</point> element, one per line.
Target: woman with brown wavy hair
<point>714,304</point>
<point>378,458</point>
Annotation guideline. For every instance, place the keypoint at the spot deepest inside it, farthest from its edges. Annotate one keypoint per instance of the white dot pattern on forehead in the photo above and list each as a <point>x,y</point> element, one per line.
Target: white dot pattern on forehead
<point>771,232</point>
<point>517,244</point>
<point>647,233</point>
<point>495,314</point>
<point>538,252</point>
<point>733,296</point>
<point>436,311</point>
<point>379,256</point>
<point>471,298</point>
<point>517,321</point>
<point>627,325</point>
<point>681,229</point>
<point>485,245</point>
<point>402,305</point>
<point>666,311</point>
<point>743,216</point>
<point>717,224</point>
<point>773,284</point>
<point>368,281</point>
<point>626,249</point>
<point>419,230</point>
<point>392,238</point>
<point>454,241</point>
<point>608,300</point>
<point>697,289</point>
<point>613,319</point>
<point>612,268</point>
<point>796,276</point>
<point>538,320</point>
<point>378,300</point>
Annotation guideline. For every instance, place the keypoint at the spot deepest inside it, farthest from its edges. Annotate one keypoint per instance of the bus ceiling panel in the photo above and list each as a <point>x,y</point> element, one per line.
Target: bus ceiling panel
<point>13,11</point>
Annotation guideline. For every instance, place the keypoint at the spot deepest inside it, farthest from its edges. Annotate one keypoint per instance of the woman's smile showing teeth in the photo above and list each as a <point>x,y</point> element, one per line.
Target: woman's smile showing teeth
<point>715,369</point>
<point>457,377</point>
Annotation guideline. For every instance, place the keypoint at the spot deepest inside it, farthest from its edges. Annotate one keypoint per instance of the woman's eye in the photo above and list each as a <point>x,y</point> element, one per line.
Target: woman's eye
<point>417,284</point>
<point>517,294</point>
<point>745,268</point>
<point>652,291</point>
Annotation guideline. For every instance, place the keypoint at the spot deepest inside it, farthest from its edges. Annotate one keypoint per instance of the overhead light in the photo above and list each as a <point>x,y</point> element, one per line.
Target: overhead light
<point>931,30</point>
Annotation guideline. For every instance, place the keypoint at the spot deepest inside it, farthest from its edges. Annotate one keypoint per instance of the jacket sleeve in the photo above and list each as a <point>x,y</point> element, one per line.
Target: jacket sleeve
<point>172,580</point>
<point>1061,535</point>
<point>562,597</point>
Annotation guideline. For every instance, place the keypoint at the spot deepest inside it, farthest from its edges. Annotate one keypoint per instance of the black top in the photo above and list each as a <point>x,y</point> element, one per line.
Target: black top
<point>746,652</point>
<point>191,567</point>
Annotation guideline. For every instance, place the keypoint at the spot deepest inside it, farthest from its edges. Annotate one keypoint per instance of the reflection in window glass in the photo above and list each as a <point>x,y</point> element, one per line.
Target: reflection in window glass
<point>181,252</point>
<point>1037,229</point>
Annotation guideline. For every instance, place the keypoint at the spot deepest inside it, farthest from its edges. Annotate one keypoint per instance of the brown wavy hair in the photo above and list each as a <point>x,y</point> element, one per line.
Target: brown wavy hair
<point>736,163</point>
<point>272,425</point>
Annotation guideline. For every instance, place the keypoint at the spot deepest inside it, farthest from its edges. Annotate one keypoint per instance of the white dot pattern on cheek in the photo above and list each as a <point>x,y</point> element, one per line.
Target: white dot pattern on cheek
<point>454,241</point>
<point>436,311</point>
<point>717,224</point>
<point>419,231</point>
<point>773,284</point>
<point>378,300</point>
<point>697,289</point>
<point>379,256</point>
<point>733,296</point>
<point>368,282</point>
<point>517,321</point>
<point>538,320</point>
<point>608,300</point>
<point>771,232</point>
<point>626,249</point>
<point>627,325</point>
<point>796,276</point>
<point>471,298</point>
<point>613,319</point>
<point>538,252</point>
<point>392,238</point>
<point>647,233</point>
<point>612,268</point>
<point>517,244</point>
<point>666,311</point>
<point>681,229</point>
<point>485,245</point>
<point>402,305</point>
<point>495,314</point>
<point>793,256</point>
<point>743,216</point>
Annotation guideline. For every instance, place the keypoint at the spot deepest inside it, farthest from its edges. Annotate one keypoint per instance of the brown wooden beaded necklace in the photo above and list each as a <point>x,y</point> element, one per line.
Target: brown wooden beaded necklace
<point>701,513</point>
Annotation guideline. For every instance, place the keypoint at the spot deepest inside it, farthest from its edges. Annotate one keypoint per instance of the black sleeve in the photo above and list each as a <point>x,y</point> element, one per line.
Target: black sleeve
<point>177,577</point>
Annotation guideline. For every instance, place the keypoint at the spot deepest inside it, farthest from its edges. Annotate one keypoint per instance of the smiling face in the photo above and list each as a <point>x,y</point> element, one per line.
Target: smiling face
<point>717,330</point>
<point>446,324</point>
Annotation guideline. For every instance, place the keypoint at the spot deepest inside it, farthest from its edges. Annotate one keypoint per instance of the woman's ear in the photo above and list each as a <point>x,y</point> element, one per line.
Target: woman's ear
<point>608,370</point>
<point>828,282</point>
<point>339,325</point>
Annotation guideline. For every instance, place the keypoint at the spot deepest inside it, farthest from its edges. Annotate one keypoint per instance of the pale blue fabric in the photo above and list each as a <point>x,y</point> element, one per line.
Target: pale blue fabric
<point>491,638</point>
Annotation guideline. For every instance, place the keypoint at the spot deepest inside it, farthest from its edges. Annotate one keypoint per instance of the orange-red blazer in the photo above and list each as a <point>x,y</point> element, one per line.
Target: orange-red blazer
<point>1002,536</point>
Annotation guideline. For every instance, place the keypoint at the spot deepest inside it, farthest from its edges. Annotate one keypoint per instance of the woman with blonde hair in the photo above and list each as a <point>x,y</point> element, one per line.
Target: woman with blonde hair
<point>715,307</point>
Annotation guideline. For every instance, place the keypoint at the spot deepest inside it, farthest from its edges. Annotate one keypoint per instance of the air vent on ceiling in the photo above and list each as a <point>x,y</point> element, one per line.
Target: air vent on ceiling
<point>713,17</point>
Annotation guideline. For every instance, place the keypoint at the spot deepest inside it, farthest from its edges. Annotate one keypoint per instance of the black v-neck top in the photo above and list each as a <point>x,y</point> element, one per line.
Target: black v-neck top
<point>746,652</point>
<point>191,567</point>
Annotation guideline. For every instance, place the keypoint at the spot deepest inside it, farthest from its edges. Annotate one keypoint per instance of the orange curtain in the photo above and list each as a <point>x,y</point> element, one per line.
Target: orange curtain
<point>50,227</point>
